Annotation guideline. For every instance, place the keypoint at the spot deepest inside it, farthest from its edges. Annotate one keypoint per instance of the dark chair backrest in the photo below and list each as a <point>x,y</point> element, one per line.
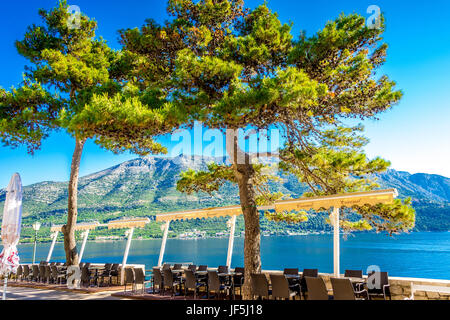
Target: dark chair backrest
<point>48,272</point>
<point>280,286</point>
<point>42,271</point>
<point>108,267</point>
<point>191,281</point>
<point>35,271</point>
<point>115,267</point>
<point>202,268</point>
<point>317,290</point>
<point>313,273</point>
<point>222,269</point>
<point>260,285</point>
<point>19,271</point>
<point>81,265</point>
<point>52,263</point>
<point>376,280</point>
<point>353,274</point>
<point>192,267</point>
<point>342,289</point>
<point>54,272</point>
<point>26,270</point>
<point>87,265</point>
<point>178,266</point>
<point>291,271</point>
<point>139,275</point>
<point>168,278</point>
<point>239,270</point>
<point>129,275</point>
<point>43,263</point>
<point>166,266</point>
<point>157,277</point>
<point>213,281</point>
<point>85,274</point>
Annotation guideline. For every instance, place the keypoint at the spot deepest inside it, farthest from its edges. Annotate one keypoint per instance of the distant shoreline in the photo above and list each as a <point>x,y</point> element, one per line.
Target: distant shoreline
<point>209,238</point>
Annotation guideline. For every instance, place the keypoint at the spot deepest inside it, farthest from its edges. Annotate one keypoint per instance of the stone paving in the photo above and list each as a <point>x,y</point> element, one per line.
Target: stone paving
<point>18,293</point>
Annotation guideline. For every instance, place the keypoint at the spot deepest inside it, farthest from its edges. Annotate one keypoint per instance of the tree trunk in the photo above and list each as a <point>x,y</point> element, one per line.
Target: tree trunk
<point>252,244</point>
<point>70,245</point>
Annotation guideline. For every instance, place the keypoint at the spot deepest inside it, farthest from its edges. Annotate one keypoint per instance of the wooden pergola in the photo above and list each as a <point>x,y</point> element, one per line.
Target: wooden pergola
<point>335,202</point>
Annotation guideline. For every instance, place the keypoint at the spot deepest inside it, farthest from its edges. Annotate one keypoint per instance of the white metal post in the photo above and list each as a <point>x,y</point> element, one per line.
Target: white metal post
<point>50,252</point>
<point>231,241</point>
<point>163,244</point>
<point>125,255</point>
<point>85,237</point>
<point>336,244</point>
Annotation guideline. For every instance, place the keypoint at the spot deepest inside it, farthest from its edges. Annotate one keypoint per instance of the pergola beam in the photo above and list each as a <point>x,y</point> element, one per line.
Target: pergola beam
<point>50,252</point>
<point>163,244</point>
<point>231,241</point>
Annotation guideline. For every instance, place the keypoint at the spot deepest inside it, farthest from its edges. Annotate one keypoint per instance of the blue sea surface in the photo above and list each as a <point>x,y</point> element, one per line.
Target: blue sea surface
<point>417,255</point>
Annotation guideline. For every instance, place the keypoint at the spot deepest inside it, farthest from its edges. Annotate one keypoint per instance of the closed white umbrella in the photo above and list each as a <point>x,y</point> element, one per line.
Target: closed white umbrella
<point>11,226</point>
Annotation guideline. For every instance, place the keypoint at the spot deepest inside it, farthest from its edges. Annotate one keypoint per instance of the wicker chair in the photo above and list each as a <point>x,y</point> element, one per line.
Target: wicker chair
<point>280,288</point>
<point>343,290</point>
<point>260,286</point>
<point>317,289</point>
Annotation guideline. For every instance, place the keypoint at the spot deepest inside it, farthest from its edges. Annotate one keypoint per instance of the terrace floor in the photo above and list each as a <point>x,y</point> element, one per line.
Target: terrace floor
<point>22,293</point>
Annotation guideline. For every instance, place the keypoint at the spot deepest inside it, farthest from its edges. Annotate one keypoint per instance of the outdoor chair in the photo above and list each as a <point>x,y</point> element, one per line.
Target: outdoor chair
<point>81,265</point>
<point>238,280</point>
<point>192,267</point>
<point>106,274</point>
<point>355,274</point>
<point>26,273</point>
<point>280,287</point>
<point>343,290</point>
<point>115,272</point>
<point>139,279</point>
<point>260,286</point>
<point>166,266</point>
<point>41,273</point>
<point>86,277</point>
<point>19,273</point>
<point>291,271</point>
<point>313,273</point>
<point>191,283</point>
<point>379,285</point>
<point>52,263</point>
<point>202,268</point>
<point>222,269</point>
<point>129,279</point>
<point>170,283</point>
<point>317,289</point>
<point>35,276</point>
<point>43,263</point>
<point>56,277</point>
<point>158,281</point>
<point>215,286</point>
<point>177,266</point>
<point>47,273</point>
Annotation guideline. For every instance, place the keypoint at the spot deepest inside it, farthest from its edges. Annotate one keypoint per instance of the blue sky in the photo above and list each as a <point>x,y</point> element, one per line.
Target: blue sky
<point>414,136</point>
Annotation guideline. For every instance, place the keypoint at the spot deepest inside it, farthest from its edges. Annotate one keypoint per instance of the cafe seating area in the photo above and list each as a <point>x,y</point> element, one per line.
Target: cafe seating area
<point>55,273</point>
<point>200,282</point>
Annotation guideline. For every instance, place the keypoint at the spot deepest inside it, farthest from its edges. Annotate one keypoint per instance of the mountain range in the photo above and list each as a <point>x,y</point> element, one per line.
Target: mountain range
<point>146,186</point>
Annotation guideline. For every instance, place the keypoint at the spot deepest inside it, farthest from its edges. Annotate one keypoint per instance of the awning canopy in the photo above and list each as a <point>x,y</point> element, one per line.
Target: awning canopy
<point>338,201</point>
<point>316,203</point>
<point>128,223</point>
<point>79,227</point>
<point>200,214</point>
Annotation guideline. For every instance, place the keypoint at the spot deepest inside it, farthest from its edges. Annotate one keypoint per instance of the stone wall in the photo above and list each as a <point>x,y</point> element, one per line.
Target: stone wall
<point>401,287</point>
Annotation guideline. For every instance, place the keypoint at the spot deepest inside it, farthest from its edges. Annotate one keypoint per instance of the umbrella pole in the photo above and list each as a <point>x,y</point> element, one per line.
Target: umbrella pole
<point>5,285</point>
